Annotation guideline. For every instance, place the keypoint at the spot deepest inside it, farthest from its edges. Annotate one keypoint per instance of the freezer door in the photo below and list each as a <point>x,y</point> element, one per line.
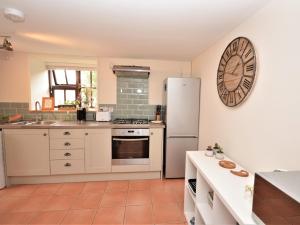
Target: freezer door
<point>175,155</point>
<point>183,99</point>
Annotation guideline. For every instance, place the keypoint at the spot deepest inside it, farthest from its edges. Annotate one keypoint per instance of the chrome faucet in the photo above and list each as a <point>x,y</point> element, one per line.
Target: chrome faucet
<point>37,103</point>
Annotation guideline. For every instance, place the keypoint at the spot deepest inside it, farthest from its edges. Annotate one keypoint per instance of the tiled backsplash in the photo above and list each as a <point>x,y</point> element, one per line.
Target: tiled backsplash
<point>132,99</point>
<point>7,108</point>
<point>132,102</point>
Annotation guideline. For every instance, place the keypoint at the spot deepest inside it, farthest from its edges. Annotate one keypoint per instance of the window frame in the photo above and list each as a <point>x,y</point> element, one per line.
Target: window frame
<point>77,87</point>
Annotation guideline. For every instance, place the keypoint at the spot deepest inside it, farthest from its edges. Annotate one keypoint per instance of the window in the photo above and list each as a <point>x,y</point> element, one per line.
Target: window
<point>73,87</point>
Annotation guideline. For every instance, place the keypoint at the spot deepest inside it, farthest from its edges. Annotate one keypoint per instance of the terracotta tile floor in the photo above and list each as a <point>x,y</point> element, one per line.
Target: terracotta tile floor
<point>113,202</point>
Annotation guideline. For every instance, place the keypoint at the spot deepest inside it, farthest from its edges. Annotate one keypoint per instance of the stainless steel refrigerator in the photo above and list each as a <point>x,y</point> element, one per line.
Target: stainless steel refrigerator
<point>181,116</point>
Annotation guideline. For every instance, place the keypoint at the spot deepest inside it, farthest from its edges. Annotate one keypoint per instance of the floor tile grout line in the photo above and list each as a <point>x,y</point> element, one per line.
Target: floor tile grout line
<point>95,213</point>
<point>174,190</point>
<point>124,217</point>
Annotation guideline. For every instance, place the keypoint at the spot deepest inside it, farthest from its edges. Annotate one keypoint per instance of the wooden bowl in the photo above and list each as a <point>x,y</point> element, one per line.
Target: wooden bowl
<point>227,164</point>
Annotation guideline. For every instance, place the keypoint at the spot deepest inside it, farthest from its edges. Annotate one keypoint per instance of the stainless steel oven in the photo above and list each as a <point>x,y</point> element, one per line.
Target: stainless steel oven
<point>130,147</point>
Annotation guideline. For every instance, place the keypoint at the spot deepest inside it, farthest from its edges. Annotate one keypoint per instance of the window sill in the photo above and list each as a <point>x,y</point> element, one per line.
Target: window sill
<point>55,110</point>
<point>60,110</point>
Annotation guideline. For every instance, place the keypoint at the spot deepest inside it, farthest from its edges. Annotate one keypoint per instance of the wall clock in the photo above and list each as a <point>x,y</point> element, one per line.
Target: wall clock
<point>236,72</point>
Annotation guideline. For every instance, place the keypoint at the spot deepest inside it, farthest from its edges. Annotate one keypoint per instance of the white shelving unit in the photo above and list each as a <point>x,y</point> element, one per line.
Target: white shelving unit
<point>220,196</point>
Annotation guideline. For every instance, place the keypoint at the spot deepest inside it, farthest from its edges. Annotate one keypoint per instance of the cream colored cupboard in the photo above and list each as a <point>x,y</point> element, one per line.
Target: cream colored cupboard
<point>77,151</point>
<point>156,149</point>
<point>66,151</point>
<point>39,152</point>
<point>27,152</point>
<point>97,150</point>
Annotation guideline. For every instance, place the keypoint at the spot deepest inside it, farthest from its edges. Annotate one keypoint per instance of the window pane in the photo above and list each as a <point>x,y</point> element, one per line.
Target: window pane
<point>94,98</point>
<point>59,98</point>
<point>60,76</point>
<point>70,96</point>
<point>85,78</point>
<point>94,79</point>
<point>71,76</point>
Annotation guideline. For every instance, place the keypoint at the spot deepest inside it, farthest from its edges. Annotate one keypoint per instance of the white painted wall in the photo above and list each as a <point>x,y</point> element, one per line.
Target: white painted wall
<point>23,77</point>
<point>160,69</point>
<point>14,78</point>
<point>263,133</point>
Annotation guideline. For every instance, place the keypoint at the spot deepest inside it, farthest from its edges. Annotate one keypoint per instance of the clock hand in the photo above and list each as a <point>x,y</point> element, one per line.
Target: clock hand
<point>236,67</point>
<point>225,81</point>
<point>233,74</point>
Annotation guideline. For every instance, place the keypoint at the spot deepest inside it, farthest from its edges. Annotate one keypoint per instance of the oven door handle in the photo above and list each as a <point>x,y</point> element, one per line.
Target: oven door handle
<point>135,139</point>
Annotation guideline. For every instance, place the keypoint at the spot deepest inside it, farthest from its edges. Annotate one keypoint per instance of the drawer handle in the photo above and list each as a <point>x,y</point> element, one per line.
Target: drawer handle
<point>68,154</point>
<point>67,133</point>
<point>68,164</point>
<point>67,144</point>
<point>45,134</point>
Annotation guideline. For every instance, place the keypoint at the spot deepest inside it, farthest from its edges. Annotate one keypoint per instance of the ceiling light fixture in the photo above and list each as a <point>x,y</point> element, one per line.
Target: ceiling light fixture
<point>6,44</point>
<point>14,15</point>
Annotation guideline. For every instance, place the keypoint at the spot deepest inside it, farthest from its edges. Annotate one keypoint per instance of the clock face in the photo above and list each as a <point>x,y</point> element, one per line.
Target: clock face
<point>236,72</point>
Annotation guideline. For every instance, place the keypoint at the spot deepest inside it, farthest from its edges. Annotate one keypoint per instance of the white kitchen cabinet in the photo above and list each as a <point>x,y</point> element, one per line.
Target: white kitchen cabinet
<point>97,150</point>
<point>67,151</point>
<point>156,149</point>
<point>62,167</point>
<point>27,152</point>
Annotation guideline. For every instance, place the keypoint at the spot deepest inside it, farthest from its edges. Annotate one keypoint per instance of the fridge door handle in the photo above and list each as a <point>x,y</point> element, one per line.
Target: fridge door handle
<point>183,136</point>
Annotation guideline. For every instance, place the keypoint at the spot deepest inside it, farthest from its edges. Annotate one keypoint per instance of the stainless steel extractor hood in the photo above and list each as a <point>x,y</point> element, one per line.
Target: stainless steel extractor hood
<point>131,71</point>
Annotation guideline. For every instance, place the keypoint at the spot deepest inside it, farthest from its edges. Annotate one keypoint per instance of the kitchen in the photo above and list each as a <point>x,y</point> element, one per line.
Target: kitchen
<point>190,45</point>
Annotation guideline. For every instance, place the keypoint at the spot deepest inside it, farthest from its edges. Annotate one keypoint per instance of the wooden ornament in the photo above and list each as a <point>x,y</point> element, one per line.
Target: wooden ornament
<point>227,164</point>
<point>241,173</point>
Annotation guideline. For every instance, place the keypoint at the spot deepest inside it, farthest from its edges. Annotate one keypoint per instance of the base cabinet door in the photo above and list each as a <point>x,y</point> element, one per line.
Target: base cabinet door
<point>97,150</point>
<point>27,152</point>
<point>156,149</point>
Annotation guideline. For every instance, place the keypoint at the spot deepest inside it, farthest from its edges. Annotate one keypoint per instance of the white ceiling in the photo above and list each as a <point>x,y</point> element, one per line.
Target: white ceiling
<point>156,29</point>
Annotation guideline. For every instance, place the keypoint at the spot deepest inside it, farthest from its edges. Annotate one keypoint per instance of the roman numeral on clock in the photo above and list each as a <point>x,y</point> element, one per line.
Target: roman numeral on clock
<point>235,46</point>
<point>220,76</point>
<point>231,97</point>
<point>248,53</point>
<point>238,93</point>
<point>249,68</point>
<point>246,84</point>
<point>228,53</point>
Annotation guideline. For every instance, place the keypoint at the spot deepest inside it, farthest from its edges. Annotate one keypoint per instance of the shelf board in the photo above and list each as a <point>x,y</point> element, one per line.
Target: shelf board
<point>190,192</point>
<point>206,212</point>
<point>188,216</point>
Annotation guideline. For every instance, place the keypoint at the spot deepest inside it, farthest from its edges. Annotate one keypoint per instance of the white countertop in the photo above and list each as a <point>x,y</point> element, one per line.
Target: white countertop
<point>80,125</point>
<point>228,187</point>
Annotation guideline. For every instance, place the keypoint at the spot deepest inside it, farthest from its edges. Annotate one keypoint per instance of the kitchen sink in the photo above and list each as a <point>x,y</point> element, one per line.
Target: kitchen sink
<point>28,123</point>
<point>43,122</point>
<point>24,122</point>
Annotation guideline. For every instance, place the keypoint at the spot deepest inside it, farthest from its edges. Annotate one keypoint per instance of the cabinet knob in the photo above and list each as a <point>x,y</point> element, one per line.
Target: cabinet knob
<point>67,143</point>
<point>45,134</point>
<point>67,164</point>
<point>151,133</point>
<point>67,154</point>
<point>86,134</point>
<point>67,133</point>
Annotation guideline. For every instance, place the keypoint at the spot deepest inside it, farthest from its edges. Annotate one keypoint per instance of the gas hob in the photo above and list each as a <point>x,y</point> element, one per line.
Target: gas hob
<point>130,121</point>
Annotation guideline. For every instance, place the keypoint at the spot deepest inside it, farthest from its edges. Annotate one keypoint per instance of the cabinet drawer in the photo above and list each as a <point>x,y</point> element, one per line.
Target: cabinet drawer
<point>66,154</point>
<point>66,133</point>
<point>67,166</point>
<point>66,143</point>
